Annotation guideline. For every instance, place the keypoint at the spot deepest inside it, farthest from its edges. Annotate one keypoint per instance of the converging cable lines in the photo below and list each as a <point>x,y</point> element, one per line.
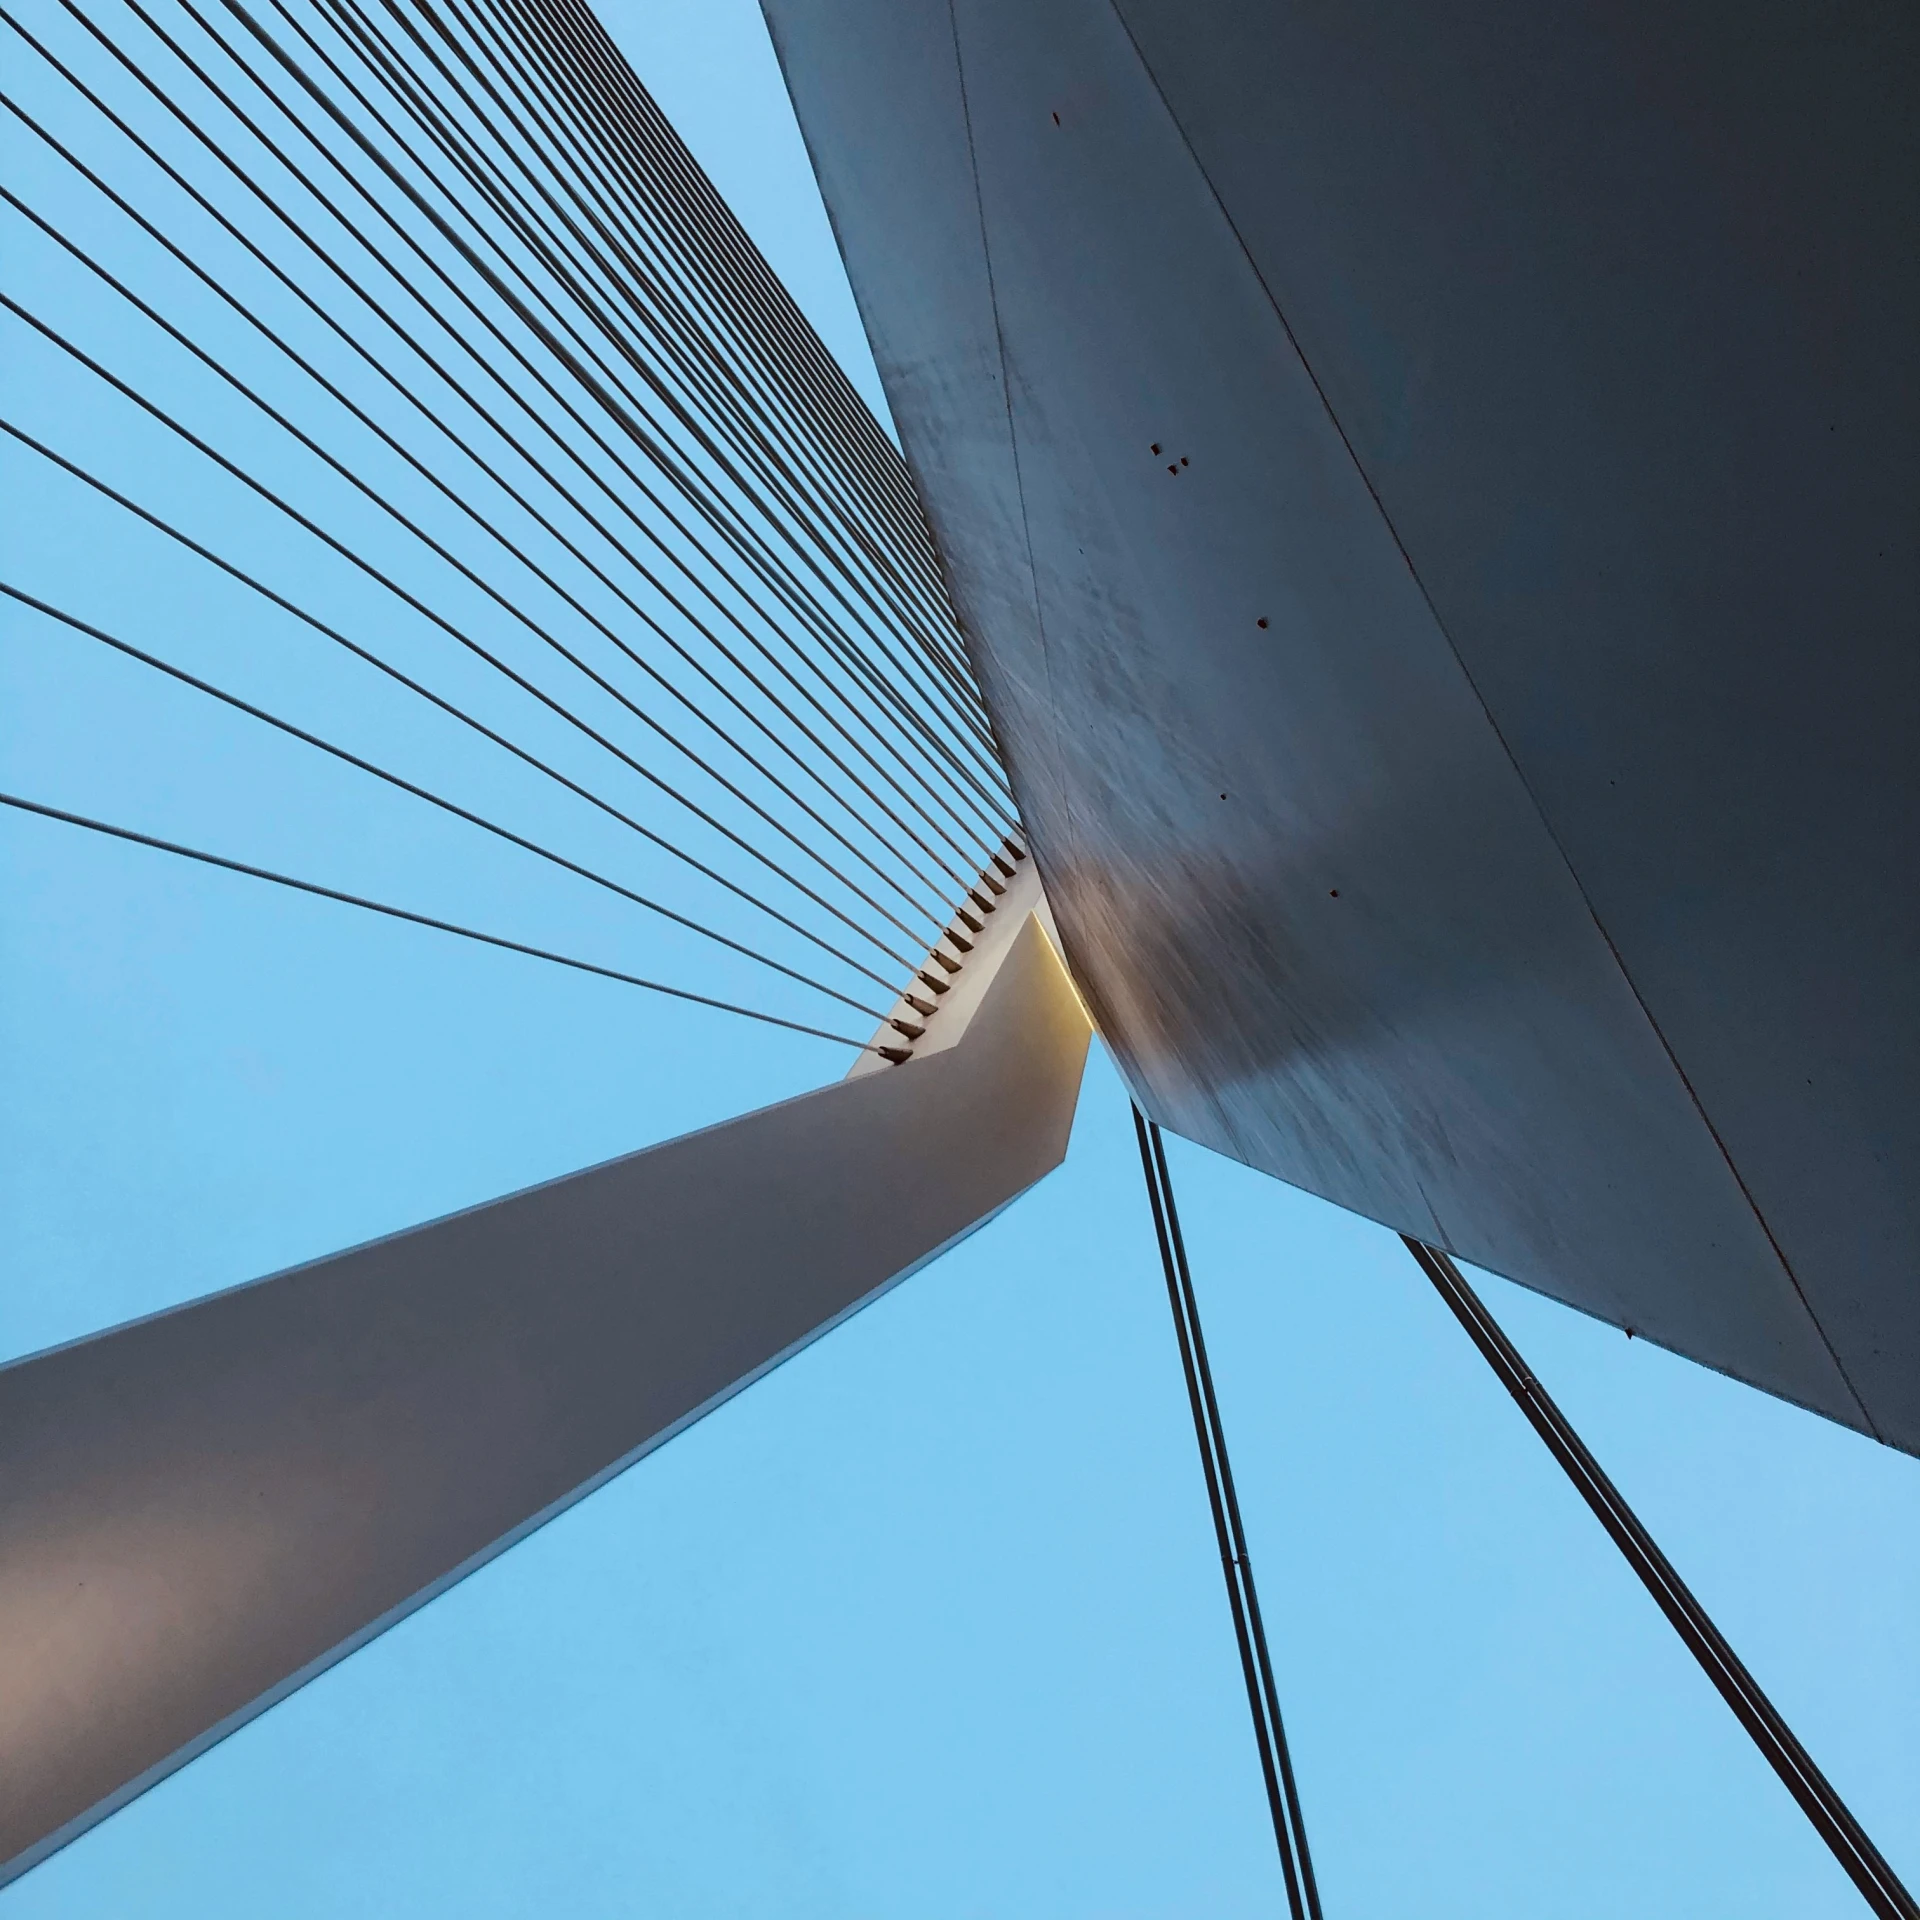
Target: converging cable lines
<point>604,382</point>
<point>386,375</point>
<point>23,805</point>
<point>1830,1816</point>
<point>556,330</point>
<point>440,290</point>
<point>569,360</point>
<point>489,323</point>
<point>439,620</point>
<point>493,593</point>
<point>422,793</point>
<point>623,277</point>
<point>413,686</point>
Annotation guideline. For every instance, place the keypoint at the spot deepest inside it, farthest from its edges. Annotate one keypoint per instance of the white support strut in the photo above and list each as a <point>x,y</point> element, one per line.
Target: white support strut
<point>201,1510</point>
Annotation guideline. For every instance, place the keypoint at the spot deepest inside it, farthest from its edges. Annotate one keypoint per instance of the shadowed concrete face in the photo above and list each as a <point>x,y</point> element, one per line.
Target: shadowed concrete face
<point>1432,498</point>
<point>201,1510</point>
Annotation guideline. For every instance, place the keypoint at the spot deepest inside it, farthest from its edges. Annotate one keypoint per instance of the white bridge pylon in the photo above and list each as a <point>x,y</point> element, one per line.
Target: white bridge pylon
<point>203,1509</point>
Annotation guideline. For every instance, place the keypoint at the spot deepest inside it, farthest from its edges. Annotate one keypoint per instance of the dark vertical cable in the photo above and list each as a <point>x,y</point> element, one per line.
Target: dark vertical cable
<point>1879,1885</point>
<point>1263,1699</point>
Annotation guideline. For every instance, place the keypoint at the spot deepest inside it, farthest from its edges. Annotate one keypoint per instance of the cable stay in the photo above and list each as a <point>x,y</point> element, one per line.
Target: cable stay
<point>382,370</point>
<point>508,605</point>
<point>439,620</point>
<point>448,707</point>
<point>778,578</point>
<point>1256,1664</point>
<point>510,365</point>
<point>620,274</point>
<point>24,805</point>
<point>573,353</point>
<point>504,371</point>
<point>405,785</point>
<point>492,371</point>
<point>1830,1816</point>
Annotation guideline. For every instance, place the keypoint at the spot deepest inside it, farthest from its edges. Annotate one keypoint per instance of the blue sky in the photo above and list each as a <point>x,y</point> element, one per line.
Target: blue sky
<point>929,1622</point>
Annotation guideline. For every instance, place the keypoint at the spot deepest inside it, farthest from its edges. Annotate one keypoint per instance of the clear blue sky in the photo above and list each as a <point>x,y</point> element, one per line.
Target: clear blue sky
<point>929,1623</point>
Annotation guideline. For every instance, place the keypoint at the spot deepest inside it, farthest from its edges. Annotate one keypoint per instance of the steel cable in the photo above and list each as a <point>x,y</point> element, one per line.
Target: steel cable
<point>564,247</point>
<point>776,577</point>
<point>25,805</point>
<point>446,706</point>
<point>374,573</point>
<point>591,372</point>
<point>708,231</point>
<point>667,178</point>
<point>457,499</point>
<point>646,773</point>
<point>1829,1815</point>
<point>1263,1698</point>
<point>616,233</point>
<point>409,240</point>
<point>388,376</point>
<point>423,793</point>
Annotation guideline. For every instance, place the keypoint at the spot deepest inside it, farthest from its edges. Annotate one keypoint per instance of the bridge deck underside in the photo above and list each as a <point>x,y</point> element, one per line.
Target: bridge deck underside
<point>1432,498</point>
